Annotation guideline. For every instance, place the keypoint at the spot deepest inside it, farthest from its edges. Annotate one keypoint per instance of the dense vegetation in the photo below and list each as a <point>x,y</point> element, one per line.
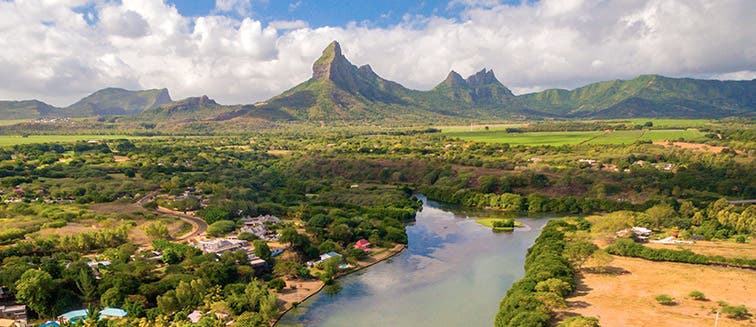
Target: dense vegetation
<point>69,203</point>
<point>549,277</point>
<point>630,248</point>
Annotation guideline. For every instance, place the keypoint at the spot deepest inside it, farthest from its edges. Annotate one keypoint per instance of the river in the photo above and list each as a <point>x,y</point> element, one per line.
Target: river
<point>454,272</point>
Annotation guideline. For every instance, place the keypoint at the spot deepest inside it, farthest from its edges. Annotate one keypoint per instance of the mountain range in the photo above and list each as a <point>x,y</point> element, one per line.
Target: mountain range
<point>341,91</point>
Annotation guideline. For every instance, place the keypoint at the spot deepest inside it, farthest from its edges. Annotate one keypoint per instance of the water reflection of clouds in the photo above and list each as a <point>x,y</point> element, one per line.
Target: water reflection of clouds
<point>453,272</point>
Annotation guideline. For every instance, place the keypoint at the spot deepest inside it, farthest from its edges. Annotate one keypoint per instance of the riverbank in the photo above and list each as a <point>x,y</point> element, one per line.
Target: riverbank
<point>308,288</point>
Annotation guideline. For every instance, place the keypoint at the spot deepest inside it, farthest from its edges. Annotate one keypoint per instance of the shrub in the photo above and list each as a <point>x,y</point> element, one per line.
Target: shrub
<point>221,227</point>
<point>697,295</point>
<point>247,236</point>
<point>665,299</point>
<point>740,239</point>
<point>277,284</point>
<point>735,312</point>
<point>580,321</point>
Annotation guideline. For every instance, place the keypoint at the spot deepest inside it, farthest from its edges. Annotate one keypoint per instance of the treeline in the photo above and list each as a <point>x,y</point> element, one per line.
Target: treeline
<point>629,248</point>
<point>549,277</point>
<point>84,242</point>
<point>533,202</point>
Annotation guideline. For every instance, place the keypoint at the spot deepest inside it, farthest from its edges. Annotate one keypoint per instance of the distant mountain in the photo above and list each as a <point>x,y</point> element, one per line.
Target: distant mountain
<point>189,109</point>
<point>206,109</point>
<point>648,96</point>
<point>480,89</point>
<point>26,109</point>
<point>115,101</point>
<point>341,91</point>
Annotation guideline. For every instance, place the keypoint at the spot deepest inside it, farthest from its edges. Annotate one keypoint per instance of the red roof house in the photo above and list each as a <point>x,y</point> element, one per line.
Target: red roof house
<point>362,244</point>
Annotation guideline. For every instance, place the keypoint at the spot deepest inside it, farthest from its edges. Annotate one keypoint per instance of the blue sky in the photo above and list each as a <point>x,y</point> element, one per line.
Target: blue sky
<point>317,13</point>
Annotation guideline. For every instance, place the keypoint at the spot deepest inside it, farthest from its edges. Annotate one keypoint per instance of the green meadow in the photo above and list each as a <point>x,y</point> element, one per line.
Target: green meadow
<point>532,138</point>
<point>592,137</point>
<point>8,140</point>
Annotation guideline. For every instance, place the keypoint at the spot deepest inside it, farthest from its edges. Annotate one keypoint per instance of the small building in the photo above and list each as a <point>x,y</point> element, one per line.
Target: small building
<point>326,256</point>
<point>112,313</point>
<point>255,261</point>
<point>363,245</point>
<point>73,316</point>
<point>323,257</point>
<point>94,264</point>
<point>220,245</point>
<point>15,311</point>
<point>8,323</point>
<point>641,231</point>
<point>257,226</point>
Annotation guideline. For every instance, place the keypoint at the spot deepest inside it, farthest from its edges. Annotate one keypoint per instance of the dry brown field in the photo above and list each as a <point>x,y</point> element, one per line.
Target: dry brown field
<point>627,298</point>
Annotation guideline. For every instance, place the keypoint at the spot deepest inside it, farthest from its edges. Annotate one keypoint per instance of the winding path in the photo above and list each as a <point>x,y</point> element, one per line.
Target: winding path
<point>199,226</point>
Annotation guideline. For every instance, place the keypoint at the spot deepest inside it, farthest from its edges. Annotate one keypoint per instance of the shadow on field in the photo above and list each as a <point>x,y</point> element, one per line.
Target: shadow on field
<point>606,270</point>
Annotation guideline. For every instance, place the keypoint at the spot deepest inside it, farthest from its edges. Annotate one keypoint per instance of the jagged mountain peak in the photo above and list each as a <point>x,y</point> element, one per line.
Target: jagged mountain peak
<point>454,79</point>
<point>330,63</point>
<point>483,77</point>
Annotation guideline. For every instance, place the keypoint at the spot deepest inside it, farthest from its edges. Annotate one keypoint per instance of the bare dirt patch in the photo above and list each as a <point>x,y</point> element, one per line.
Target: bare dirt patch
<point>301,291</point>
<point>628,298</point>
<point>70,229</point>
<point>693,146</point>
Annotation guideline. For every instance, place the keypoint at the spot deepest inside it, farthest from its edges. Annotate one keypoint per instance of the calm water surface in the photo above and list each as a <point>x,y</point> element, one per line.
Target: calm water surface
<point>454,272</point>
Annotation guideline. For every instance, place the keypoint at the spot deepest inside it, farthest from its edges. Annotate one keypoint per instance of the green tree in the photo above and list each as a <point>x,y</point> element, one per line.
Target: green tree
<point>113,297</point>
<point>213,213</point>
<point>286,268</point>
<point>262,250</point>
<point>87,285</point>
<point>659,214</point>
<point>156,230</point>
<point>554,285</point>
<point>250,319</point>
<point>277,284</point>
<point>580,321</point>
<point>34,289</point>
<point>578,252</point>
<point>221,227</point>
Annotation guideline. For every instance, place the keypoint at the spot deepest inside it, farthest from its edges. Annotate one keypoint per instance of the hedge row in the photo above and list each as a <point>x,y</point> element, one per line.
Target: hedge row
<point>544,266</point>
<point>629,248</point>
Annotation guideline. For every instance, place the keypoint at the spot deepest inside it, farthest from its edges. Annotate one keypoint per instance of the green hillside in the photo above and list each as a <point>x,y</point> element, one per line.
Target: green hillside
<point>27,109</point>
<point>648,96</point>
<point>115,101</point>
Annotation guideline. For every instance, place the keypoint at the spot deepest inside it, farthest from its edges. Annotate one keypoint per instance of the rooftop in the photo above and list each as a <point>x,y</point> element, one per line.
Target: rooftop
<point>113,312</point>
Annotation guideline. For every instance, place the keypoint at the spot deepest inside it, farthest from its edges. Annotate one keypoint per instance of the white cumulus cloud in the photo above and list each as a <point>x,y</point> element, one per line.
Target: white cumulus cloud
<point>58,52</point>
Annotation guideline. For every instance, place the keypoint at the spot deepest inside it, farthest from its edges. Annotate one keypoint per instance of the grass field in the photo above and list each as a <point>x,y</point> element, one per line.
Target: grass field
<point>562,138</point>
<point>534,138</point>
<point>8,140</point>
<point>626,137</point>
<point>672,123</point>
<point>6,122</point>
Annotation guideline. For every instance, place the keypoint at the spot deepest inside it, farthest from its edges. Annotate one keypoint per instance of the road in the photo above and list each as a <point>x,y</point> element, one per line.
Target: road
<point>199,225</point>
